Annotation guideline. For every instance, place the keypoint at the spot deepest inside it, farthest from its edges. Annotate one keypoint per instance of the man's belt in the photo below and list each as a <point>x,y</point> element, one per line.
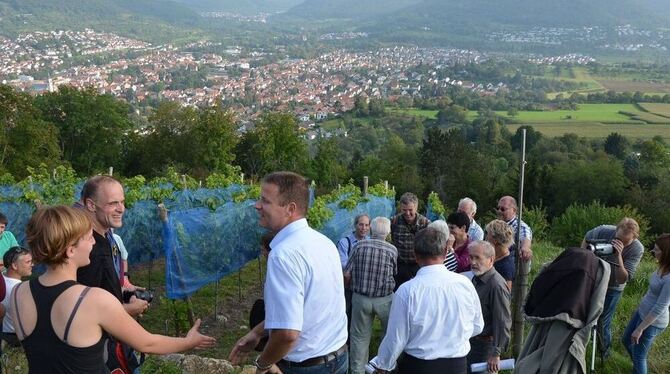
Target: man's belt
<point>315,360</point>
<point>484,338</point>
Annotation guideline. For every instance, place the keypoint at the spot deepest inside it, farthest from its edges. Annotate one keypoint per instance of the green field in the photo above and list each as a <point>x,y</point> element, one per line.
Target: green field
<point>631,82</point>
<point>590,120</point>
<point>594,130</point>
<point>603,113</point>
<point>659,109</point>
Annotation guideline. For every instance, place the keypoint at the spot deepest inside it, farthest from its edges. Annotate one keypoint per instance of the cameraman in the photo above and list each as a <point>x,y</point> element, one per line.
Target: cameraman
<point>625,257</point>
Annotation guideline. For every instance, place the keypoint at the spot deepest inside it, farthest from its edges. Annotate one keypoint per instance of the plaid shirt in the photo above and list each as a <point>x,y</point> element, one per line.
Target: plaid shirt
<point>403,235</point>
<point>372,265</point>
<point>526,232</point>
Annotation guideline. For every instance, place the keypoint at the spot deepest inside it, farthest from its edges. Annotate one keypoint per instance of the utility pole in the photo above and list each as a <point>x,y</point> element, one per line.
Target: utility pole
<point>522,267</point>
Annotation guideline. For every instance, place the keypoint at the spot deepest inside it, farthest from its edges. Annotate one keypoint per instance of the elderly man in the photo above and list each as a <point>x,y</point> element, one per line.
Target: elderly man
<point>370,271</point>
<point>626,255</point>
<point>494,297</point>
<point>506,210</point>
<point>19,264</point>
<point>433,316</point>
<point>450,258</point>
<point>403,228</point>
<point>304,288</point>
<point>469,207</point>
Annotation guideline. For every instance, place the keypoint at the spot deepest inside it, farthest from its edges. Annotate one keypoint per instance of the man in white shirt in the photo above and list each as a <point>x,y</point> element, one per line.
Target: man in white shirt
<point>468,206</point>
<point>19,264</point>
<point>433,316</point>
<point>304,289</point>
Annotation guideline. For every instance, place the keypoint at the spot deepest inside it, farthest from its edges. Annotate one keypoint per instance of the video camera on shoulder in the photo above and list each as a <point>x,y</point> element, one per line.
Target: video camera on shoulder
<point>600,247</point>
<point>146,295</point>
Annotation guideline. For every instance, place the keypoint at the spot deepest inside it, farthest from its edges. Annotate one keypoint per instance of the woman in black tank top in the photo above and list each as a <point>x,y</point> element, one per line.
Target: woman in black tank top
<point>62,324</point>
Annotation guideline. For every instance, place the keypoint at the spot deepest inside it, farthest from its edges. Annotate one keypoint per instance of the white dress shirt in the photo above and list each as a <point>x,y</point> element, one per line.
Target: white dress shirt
<point>304,291</point>
<point>432,316</point>
<point>7,322</point>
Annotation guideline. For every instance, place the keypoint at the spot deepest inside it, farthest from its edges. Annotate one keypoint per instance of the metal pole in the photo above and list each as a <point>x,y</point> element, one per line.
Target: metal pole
<point>365,185</point>
<point>521,280</point>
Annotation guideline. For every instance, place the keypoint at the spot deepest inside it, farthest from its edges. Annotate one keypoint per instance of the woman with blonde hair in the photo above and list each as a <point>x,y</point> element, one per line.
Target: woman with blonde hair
<point>651,316</point>
<point>501,236</point>
<point>62,324</point>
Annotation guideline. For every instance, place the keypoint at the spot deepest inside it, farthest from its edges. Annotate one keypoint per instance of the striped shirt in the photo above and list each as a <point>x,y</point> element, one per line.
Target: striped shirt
<point>450,261</point>
<point>372,264</point>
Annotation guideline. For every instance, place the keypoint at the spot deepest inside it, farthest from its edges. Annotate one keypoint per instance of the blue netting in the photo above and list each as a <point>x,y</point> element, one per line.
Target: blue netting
<point>10,193</point>
<point>18,215</point>
<point>201,245</point>
<point>206,237</point>
<point>432,216</point>
<point>142,232</point>
<point>341,224</point>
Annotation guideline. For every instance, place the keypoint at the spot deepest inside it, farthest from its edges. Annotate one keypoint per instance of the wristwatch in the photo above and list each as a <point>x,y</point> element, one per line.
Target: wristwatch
<point>261,367</point>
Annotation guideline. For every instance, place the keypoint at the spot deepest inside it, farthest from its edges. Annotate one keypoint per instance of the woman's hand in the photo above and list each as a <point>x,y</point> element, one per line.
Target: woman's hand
<point>198,340</point>
<point>635,336</point>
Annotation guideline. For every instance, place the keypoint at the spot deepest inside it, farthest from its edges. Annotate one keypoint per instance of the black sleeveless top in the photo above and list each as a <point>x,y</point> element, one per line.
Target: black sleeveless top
<point>45,351</point>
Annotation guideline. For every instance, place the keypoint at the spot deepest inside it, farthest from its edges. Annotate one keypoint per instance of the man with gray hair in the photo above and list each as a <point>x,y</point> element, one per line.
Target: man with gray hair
<point>370,271</point>
<point>450,258</point>
<point>494,298</point>
<point>403,228</point>
<point>432,316</point>
<point>469,207</point>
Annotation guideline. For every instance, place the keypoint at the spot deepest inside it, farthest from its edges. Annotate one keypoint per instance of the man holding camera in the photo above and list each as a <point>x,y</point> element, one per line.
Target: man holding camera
<point>624,258</point>
<point>104,199</point>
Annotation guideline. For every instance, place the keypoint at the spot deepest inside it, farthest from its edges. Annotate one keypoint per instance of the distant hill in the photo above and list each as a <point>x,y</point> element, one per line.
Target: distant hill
<point>142,17</point>
<point>481,13</point>
<point>349,9</point>
<point>241,6</point>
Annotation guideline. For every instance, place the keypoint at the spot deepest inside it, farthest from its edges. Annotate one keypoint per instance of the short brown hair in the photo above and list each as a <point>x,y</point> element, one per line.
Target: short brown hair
<point>663,243</point>
<point>52,230</point>
<point>501,233</point>
<point>629,225</point>
<point>292,188</point>
<point>92,185</point>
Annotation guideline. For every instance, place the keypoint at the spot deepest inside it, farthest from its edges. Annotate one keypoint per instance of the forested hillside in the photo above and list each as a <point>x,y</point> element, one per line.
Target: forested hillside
<point>241,7</point>
<point>491,13</point>
<point>138,18</point>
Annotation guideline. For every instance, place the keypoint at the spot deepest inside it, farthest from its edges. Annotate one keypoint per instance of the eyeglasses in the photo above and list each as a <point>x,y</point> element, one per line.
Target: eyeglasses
<point>501,208</point>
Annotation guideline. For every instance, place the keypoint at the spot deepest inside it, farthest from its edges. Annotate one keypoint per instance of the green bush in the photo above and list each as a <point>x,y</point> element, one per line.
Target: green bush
<point>570,227</point>
<point>536,218</point>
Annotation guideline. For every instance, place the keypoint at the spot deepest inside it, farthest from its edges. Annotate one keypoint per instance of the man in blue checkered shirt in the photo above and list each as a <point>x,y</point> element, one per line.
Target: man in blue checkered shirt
<point>506,210</point>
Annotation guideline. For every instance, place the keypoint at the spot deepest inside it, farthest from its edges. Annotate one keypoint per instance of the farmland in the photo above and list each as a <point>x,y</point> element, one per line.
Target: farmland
<point>642,121</point>
<point>632,82</point>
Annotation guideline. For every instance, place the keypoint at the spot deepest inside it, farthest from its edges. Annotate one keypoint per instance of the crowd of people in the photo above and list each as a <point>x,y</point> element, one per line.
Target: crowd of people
<point>441,290</point>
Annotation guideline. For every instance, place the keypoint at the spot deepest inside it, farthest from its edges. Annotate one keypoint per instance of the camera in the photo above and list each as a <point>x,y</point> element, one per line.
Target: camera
<point>146,295</point>
<point>600,247</point>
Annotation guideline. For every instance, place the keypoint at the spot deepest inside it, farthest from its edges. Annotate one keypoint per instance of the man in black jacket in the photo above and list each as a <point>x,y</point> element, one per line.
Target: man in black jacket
<point>103,198</point>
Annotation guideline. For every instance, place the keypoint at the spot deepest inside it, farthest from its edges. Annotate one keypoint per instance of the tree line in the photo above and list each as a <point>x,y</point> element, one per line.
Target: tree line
<point>451,155</point>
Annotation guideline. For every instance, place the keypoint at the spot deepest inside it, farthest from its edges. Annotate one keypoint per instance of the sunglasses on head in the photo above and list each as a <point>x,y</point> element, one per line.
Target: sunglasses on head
<point>12,254</point>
